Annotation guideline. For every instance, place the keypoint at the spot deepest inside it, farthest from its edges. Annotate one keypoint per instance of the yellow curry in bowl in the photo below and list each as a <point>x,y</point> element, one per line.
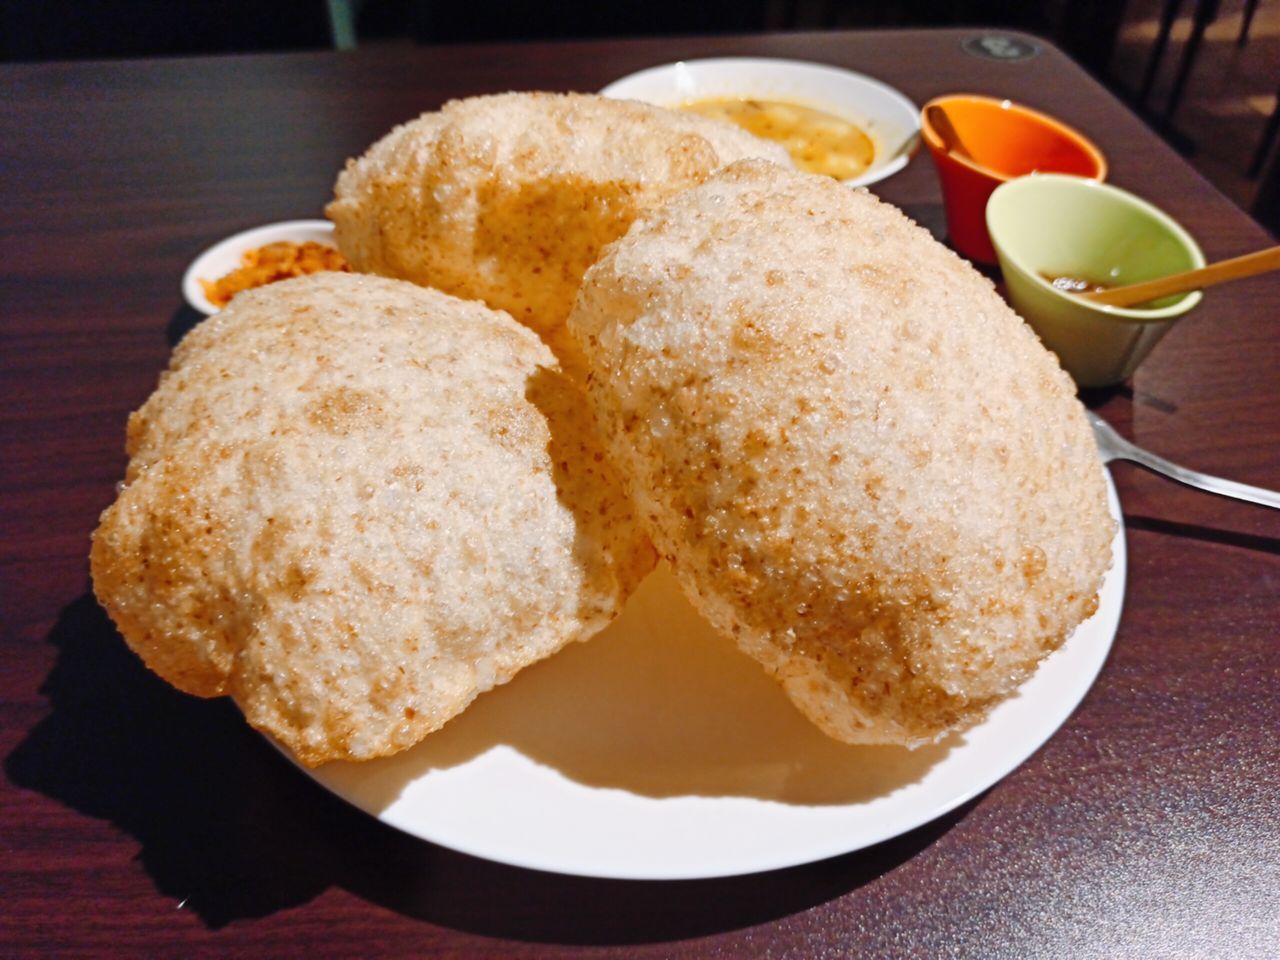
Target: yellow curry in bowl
<point>818,141</point>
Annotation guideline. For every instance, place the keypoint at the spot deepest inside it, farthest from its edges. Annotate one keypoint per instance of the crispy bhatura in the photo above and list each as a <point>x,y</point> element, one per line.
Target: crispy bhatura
<point>354,504</point>
<point>509,198</point>
<point>859,462</point>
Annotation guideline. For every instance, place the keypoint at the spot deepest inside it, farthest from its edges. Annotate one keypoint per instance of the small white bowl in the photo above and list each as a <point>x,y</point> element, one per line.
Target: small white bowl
<point>223,257</point>
<point>889,118</point>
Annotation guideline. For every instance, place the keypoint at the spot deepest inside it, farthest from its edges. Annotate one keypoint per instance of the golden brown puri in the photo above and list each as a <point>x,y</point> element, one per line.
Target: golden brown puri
<point>354,504</point>
<point>509,198</point>
<point>858,460</point>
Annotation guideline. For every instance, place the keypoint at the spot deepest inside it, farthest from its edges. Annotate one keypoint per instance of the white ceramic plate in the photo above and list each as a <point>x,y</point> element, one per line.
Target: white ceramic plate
<point>658,751</point>
<point>223,257</point>
<point>889,118</point>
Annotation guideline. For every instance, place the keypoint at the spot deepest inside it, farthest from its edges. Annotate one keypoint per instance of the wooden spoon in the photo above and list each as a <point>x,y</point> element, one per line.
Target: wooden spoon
<point>1236,268</point>
<point>941,124</point>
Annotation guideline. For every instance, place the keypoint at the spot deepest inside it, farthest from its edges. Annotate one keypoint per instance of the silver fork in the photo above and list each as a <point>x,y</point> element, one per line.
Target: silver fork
<point>1112,446</point>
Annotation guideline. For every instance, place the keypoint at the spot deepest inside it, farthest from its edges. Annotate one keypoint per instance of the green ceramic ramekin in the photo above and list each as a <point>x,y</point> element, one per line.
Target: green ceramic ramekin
<point>1048,225</point>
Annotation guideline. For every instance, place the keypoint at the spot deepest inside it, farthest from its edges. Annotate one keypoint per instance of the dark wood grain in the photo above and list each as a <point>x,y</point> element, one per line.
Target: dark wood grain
<point>136,821</point>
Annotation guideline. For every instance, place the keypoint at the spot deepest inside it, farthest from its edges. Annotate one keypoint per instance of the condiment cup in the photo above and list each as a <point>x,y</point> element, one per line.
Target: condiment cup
<point>1004,140</point>
<point>224,256</point>
<point>1046,226</point>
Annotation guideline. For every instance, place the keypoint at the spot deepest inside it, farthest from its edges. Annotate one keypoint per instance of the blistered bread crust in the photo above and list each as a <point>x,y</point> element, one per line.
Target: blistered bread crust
<point>859,461</point>
<point>509,198</point>
<point>354,504</point>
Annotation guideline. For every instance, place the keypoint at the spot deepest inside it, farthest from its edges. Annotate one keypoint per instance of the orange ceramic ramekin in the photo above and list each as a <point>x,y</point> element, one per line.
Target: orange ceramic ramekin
<point>1004,140</point>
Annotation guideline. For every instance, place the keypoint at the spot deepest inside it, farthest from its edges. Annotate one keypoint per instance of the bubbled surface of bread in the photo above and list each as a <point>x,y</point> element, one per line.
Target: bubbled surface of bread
<point>509,198</point>
<point>858,460</point>
<point>354,504</point>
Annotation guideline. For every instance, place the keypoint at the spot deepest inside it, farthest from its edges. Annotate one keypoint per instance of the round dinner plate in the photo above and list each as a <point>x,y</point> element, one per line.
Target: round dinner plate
<point>658,751</point>
<point>884,113</point>
<point>224,256</point>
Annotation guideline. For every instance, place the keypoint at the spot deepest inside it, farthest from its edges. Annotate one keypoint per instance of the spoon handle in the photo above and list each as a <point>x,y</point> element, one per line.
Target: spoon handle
<point>943,127</point>
<point>1112,446</point>
<point>1234,269</point>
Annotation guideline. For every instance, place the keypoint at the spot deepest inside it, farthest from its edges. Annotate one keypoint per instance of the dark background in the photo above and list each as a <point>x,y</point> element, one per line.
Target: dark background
<point>76,29</point>
<point>42,30</point>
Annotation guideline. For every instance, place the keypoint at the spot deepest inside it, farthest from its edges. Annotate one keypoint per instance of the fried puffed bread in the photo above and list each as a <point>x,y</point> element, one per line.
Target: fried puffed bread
<point>354,504</point>
<point>859,462</point>
<point>509,198</point>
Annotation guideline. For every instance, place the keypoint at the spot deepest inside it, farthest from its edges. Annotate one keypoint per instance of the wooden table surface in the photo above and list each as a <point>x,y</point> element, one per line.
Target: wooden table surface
<point>137,821</point>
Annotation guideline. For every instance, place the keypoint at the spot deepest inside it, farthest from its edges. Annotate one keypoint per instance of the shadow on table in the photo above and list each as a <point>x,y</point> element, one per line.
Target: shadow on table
<point>1191,531</point>
<point>184,320</point>
<point>230,829</point>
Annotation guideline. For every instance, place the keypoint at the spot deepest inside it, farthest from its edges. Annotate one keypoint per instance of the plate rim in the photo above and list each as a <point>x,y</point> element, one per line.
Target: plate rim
<point>1112,594</point>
